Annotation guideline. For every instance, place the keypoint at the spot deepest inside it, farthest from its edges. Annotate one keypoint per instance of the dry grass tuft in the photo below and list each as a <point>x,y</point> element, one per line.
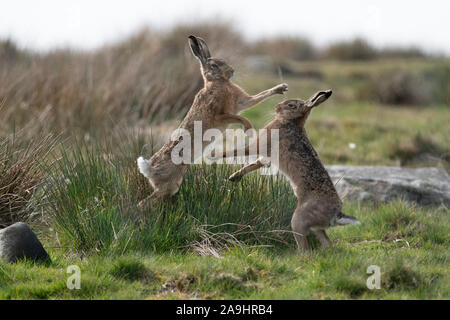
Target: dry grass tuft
<point>20,175</point>
<point>418,150</point>
<point>148,77</point>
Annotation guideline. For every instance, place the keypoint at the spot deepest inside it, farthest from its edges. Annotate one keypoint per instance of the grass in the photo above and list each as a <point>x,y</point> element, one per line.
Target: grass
<point>383,134</point>
<point>206,242</point>
<point>397,136</point>
<point>148,77</point>
<point>93,198</point>
<point>414,265</point>
<point>20,174</point>
<point>92,201</point>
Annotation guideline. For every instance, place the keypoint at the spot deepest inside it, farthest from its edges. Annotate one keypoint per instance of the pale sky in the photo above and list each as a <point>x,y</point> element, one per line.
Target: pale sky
<point>47,24</point>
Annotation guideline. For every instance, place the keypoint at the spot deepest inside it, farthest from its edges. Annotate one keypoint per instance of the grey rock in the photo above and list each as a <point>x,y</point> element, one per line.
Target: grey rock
<point>422,186</point>
<point>18,241</point>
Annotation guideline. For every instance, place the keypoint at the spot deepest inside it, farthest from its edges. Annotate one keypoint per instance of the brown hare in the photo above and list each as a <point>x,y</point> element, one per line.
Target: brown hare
<point>216,105</point>
<point>319,205</point>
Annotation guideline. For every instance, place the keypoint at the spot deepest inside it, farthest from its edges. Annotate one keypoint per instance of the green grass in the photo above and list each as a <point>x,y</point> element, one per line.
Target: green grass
<point>217,240</point>
<point>409,245</point>
<point>92,201</point>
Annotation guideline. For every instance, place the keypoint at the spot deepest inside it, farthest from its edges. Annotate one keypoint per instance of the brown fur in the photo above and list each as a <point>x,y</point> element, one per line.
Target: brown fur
<point>217,105</point>
<point>319,205</point>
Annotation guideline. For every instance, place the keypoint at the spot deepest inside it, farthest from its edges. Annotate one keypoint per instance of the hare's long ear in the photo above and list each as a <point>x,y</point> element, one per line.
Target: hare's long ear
<point>205,49</point>
<point>318,98</point>
<point>197,46</point>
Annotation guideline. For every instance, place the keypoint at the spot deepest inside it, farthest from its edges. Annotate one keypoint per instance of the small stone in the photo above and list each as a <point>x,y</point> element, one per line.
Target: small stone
<point>18,241</point>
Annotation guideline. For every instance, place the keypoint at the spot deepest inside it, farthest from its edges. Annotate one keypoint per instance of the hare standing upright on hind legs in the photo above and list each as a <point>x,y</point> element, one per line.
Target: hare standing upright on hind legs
<point>319,205</point>
<point>216,105</point>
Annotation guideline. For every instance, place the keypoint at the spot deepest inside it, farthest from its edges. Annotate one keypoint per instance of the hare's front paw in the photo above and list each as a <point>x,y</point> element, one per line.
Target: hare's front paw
<point>281,88</point>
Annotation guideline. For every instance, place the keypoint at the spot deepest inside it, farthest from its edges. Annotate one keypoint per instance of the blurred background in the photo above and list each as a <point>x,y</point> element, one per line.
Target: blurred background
<point>83,70</point>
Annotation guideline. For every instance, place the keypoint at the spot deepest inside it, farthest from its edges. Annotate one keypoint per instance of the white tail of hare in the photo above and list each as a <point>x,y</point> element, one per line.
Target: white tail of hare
<point>216,105</point>
<point>319,205</point>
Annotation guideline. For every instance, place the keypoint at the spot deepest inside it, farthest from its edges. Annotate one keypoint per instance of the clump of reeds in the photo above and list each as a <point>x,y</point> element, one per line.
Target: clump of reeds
<point>147,78</point>
<point>20,175</point>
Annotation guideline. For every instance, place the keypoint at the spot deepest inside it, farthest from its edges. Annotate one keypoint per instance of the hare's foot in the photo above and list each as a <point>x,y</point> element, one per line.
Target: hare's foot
<point>323,238</point>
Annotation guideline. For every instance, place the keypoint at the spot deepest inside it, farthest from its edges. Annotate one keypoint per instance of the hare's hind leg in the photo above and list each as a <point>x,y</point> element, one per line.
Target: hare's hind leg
<point>300,229</point>
<point>157,194</point>
<point>323,238</point>
<point>178,180</point>
<point>167,187</point>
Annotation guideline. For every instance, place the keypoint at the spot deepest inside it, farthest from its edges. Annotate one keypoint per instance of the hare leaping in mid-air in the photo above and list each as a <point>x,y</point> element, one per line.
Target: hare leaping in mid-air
<point>216,105</point>
<point>319,205</point>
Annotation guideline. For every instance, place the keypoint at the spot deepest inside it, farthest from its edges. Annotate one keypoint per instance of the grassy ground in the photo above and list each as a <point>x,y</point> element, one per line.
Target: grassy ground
<point>224,240</point>
<point>409,245</point>
<point>207,242</point>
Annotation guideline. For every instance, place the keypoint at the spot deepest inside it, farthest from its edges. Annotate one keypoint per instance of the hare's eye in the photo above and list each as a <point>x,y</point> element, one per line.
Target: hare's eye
<point>291,105</point>
<point>214,66</point>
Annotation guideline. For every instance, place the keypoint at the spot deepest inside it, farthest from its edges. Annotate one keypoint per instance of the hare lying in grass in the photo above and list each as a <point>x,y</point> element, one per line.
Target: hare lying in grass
<point>319,205</point>
<point>216,105</point>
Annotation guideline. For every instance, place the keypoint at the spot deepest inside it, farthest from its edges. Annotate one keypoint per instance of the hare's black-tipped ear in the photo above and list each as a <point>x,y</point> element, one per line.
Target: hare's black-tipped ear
<point>195,47</point>
<point>318,98</point>
<point>199,48</point>
<point>204,47</point>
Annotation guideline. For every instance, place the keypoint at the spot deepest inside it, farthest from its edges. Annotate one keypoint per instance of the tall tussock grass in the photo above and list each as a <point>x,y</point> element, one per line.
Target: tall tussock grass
<point>150,75</point>
<point>427,86</point>
<point>21,175</point>
<point>93,193</point>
